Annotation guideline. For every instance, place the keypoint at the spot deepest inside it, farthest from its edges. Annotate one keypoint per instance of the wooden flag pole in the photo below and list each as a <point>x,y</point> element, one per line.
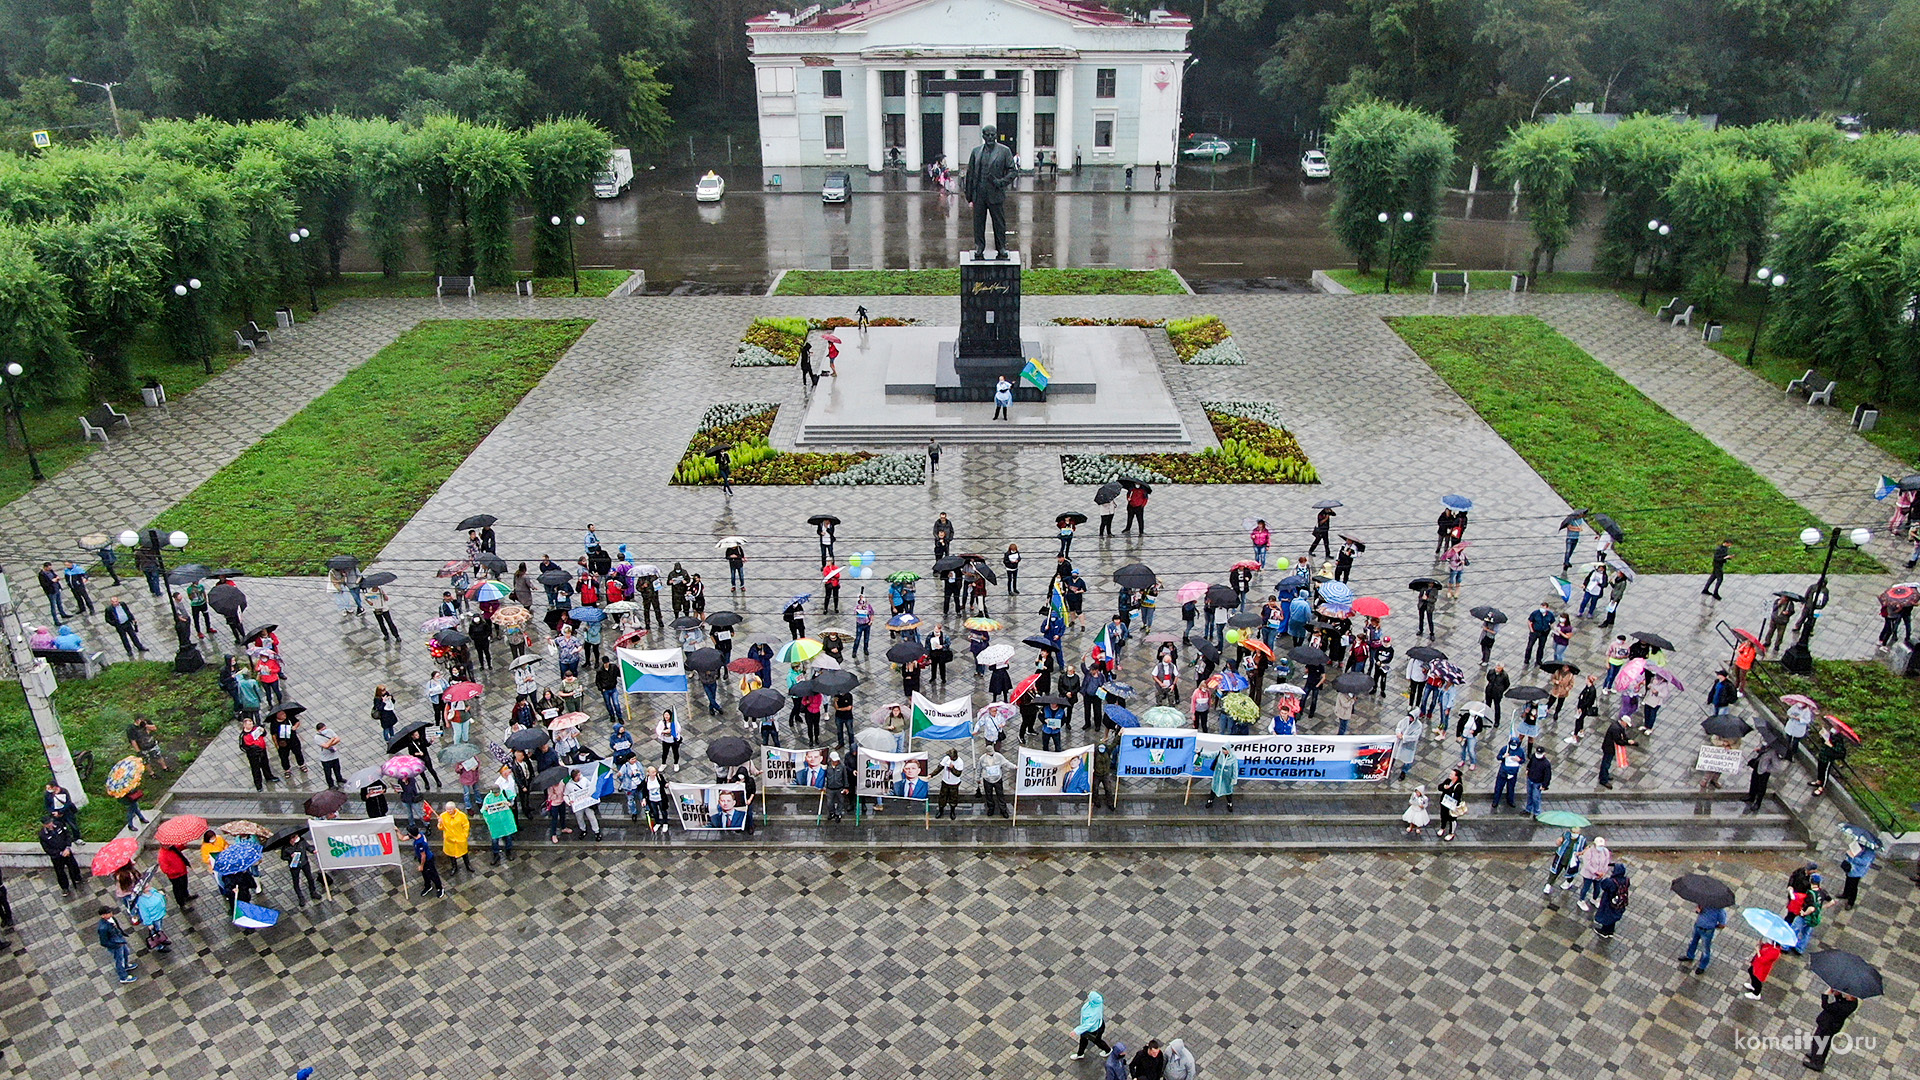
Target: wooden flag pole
<point>1016,798</point>
<point>1089,806</point>
<point>1189,798</point>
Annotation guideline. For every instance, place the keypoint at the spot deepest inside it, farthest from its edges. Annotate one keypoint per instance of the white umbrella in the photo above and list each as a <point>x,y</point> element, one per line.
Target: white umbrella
<point>646,569</point>
<point>874,738</point>
<point>1286,688</point>
<point>823,662</point>
<point>527,660</point>
<point>621,607</point>
<point>996,654</point>
<point>1477,708</point>
<point>726,542</point>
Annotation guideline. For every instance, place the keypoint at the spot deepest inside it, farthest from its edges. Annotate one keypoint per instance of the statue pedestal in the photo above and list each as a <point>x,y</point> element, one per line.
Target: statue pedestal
<point>989,345</point>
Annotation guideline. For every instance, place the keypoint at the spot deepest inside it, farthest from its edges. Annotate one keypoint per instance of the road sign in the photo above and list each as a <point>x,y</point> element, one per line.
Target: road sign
<point>42,139</point>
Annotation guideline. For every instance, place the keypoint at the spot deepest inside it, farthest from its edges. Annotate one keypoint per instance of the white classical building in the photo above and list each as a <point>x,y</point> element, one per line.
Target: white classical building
<point>1065,81</point>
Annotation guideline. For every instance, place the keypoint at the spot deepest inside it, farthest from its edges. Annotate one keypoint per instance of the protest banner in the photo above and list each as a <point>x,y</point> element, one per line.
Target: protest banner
<point>1718,759</point>
<point>1155,753</point>
<point>1054,772</point>
<point>943,722</point>
<point>892,776</point>
<point>652,671</point>
<point>1298,757</point>
<point>796,768</point>
<point>598,778</point>
<point>497,812</point>
<point>710,806</point>
<point>353,844</point>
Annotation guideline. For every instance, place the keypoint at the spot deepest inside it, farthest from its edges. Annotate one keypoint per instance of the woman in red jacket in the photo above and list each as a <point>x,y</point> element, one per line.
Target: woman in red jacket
<point>174,865</point>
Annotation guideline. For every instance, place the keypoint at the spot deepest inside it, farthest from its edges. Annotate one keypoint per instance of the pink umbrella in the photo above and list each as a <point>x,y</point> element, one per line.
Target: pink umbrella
<point>1798,699</point>
<point>463,691</point>
<point>830,337</point>
<point>1192,590</point>
<point>567,720</point>
<point>1663,673</point>
<point>401,766</point>
<point>1633,675</point>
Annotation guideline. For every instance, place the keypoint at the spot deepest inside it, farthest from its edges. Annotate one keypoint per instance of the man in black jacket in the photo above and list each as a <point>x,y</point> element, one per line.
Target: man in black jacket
<point>1539,778</point>
<point>1835,1007</point>
<point>1498,682</point>
<point>1616,737</point>
<point>121,618</point>
<point>57,842</point>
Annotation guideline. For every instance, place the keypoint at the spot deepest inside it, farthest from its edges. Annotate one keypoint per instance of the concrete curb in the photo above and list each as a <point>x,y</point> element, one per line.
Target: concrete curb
<point>1326,284</point>
<point>635,284</point>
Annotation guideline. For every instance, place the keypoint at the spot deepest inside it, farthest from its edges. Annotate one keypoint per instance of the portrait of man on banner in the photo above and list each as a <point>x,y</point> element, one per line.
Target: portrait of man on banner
<point>893,776</point>
<point>710,806</point>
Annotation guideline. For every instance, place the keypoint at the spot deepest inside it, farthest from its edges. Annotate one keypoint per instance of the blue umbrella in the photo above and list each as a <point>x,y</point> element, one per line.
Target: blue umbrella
<point>800,599</point>
<point>239,856</point>
<point>1336,592</point>
<point>903,621</point>
<point>1121,717</point>
<point>1117,689</point>
<point>586,614</point>
<point>1231,681</point>
<point>1770,926</point>
<point>1456,502</point>
<point>1865,836</point>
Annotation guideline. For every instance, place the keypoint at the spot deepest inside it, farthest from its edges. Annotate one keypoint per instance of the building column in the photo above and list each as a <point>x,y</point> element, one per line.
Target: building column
<point>1063,133</point>
<point>950,135</point>
<point>876,142</point>
<point>990,111</point>
<point>1026,118</point>
<point>915,160</point>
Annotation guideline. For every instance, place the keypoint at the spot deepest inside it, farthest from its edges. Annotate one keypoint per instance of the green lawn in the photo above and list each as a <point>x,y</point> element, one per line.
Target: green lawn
<point>189,709</point>
<point>413,284</point>
<point>1480,280</point>
<point>1602,444</point>
<point>1041,282</point>
<point>346,472</point>
<point>1883,707</point>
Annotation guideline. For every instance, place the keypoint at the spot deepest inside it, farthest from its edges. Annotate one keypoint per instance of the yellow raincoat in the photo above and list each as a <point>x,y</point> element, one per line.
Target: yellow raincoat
<point>454,829</point>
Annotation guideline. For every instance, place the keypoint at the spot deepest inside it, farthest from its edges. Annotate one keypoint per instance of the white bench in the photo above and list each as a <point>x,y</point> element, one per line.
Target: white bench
<point>1451,279</point>
<point>97,423</point>
<point>452,286</point>
<point>1684,318</point>
<point>1816,386</point>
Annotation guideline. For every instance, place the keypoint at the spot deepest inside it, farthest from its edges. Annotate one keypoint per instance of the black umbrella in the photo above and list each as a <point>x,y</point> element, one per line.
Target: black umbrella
<point>765,701</point>
<point>1909,482</point>
<point>980,569</point>
<point>1847,973</point>
<point>226,599</point>
<point>706,660</point>
<point>1726,726</point>
<point>906,652</point>
<point>1308,655</point>
<point>225,572</point>
<point>342,563</point>
<point>403,735</point>
<point>487,560</point>
<point>834,683</point>
<point>555,578</point>
<point>1074,516</point>
<point>1221,596</point>
<point>687,622</point>
<point>1654,640</point>
<point>1135,576</point>
<point>721,620</point>
<point>1577,515</point>
<point>1328,504</point>
<point>451,638</point>
<point>1108,492</point>
<point>1426,654</point>
<point>1038,641</point>
<point>326,802</point>
<point>1420,583</point>
<point>1358,545</point>
<point>290,708</point>
<point>1207,648</point>
<point>477,521</point>
<point>1528,693</point>
<point>800,689</point>
<point>1488,613</point>
<point>1241,620</point>
<point>282,837</point>
<point>559,774</point>
<point>186,575</point>
<point>948,564</point>
<point>1128,482</point>
<point>528,739</point>
<point>823,519</point>
<point>1555,667</point>
<point>1049,699</point>
<point>1606,523</point>
<point>718,452</point>
<point>1353,682</point>
<point>1793,596</point>
<point>374,581</point>
<point>263,631</point>
<point>1708,892</point>
<point>732,750</point>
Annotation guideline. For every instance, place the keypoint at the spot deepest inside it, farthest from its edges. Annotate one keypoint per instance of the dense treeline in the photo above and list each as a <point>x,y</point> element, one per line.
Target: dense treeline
<point>94,239</point>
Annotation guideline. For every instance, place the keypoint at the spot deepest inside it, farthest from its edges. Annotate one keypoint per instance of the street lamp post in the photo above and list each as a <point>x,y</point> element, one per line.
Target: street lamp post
<point>1769,281</point>
<point>190,291</point>
<point>313,291</point>
<point>1659,231</point>
<point>20,419</point>
<point>1393,224</point>
<point>572,264</point>
<point>112,105</point>
<point>1554,82</point>
<point>1798,659</point>
<point>187,659</point>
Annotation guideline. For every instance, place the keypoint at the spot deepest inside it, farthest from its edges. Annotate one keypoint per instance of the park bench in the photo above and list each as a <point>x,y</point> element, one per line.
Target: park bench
<point>1684,317</point>
<point>243,342</point>
<point>260,337</point>
<point>1816,386</point>
<point>452,286</point>
<point>69,663</point>
<point>1451,279</point>
<point>1668,310</point>
<point>97,423</point>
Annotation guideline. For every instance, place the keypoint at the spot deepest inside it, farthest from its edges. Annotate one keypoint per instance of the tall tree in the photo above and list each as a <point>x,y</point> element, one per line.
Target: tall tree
<point>1390,161</point>
<point>562,158</point>
<point>1553,163</point>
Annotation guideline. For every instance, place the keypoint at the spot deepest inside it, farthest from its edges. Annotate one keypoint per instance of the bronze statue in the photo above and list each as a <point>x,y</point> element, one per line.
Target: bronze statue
<point>989,174</point>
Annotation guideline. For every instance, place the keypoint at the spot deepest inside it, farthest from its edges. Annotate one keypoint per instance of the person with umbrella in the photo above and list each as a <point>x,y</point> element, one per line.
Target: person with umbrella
<point>1862,848</point>
<point>1760,965</point>
<point>1835,1008</point>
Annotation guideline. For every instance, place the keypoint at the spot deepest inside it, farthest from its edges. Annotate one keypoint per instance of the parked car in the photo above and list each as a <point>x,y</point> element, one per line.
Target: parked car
<point>710,188</point>
<point>1212,148</point>
<point>1313,165</point>
<point>835,189</point>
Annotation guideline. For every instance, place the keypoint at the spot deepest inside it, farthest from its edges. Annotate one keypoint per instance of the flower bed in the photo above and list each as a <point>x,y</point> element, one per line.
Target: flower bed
<point>1254,449</point>
<point>1077,320</point>
<point>771,341</point>
<point>1203,339</point>
<point>743,427</point>
<point>841,322</point>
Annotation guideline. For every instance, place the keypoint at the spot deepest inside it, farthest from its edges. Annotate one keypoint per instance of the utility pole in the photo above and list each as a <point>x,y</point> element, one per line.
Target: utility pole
<point>112,105</point>
<point>36,678</point>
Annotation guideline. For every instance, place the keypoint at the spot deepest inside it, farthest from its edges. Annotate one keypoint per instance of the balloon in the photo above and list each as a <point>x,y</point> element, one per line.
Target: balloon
<point>866,571</point>
<point>1234,636</point>
<point>854,559</point>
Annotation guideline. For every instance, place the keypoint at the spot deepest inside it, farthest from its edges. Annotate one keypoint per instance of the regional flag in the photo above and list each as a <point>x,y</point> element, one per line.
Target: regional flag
<point>253,916</point>
<point>952,720</point>
<point>652,671</point>
<point>1035,375</point>
<point>1563,587</point>
<point>1887,486</point>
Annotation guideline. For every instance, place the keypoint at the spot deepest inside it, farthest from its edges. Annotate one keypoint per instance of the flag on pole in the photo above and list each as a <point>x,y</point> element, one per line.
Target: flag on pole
<point>652,671</point>
<point>1563,587</point>
<point>951,720</point>
<point>1035,375</point>
<point>1887,486</point>
<point>1057,602</point>
<point>253,916</point>
<point>1102,647</point>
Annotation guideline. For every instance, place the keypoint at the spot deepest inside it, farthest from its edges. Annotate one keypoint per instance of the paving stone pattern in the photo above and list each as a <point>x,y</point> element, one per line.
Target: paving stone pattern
<point>945,965</point>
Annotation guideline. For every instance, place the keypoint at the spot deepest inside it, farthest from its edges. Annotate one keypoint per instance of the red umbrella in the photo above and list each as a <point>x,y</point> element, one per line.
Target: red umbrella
<point>743,665</point>
<point>835,338</point>
<point>1746,635</point>
<point>1020,688</point>
<point>114,855</point>
<point>1843,728</point>
<point>184,829</point>
<point>463,691</point>
<point>1255,645</point>
<point>629,637</point>
<point>1246,564</point>
<point>1371,606</point>
<point>1900,596</point>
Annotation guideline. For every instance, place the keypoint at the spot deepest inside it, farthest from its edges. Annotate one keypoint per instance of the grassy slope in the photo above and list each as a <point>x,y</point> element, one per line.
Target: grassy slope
<point>1040,282</point>
<point>95,714</point>
<point>1602,444</point>
<point>1883,707</point>
<point>345,473</point>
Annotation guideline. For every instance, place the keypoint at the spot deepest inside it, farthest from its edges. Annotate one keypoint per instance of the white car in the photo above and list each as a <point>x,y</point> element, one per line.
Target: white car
<point>1211,148</point>
<point>710,188</point>
<point>1313,165</point>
